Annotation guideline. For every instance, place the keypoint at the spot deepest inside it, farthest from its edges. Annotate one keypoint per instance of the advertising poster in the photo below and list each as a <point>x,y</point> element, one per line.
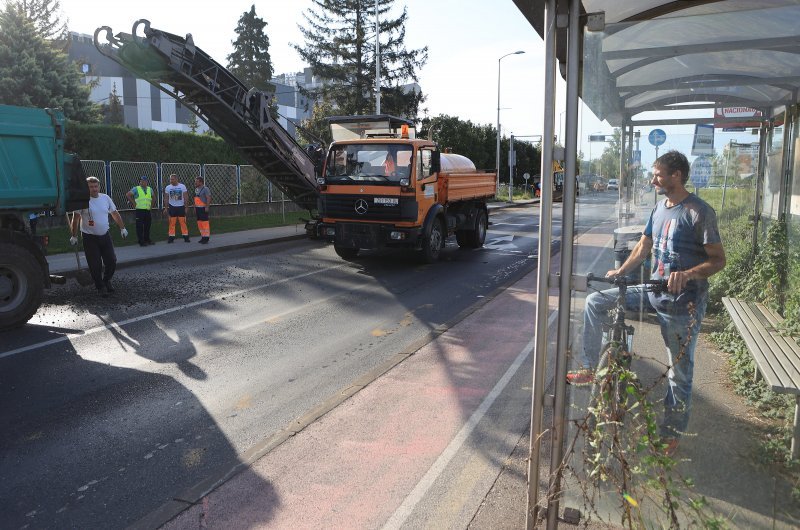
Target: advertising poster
<point>703,143</point>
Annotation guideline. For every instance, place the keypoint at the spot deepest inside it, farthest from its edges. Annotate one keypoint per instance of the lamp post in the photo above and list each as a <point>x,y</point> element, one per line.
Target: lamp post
<point>497,160</point>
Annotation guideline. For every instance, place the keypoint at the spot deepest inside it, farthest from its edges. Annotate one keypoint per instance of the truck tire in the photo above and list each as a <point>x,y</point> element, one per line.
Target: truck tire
<point>346,253</point>
<point>433,243</point>
<point>477,235</point>
<point>21,286</point>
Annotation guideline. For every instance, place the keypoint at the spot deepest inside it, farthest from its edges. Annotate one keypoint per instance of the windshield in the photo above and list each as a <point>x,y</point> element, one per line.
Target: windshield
<point>377,163</point>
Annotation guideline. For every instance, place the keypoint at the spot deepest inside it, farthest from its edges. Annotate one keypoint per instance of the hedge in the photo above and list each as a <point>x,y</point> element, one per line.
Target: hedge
<point>114,142</point>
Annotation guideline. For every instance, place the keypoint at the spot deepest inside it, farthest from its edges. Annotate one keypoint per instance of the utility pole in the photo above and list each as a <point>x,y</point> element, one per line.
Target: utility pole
<point>377,61</point>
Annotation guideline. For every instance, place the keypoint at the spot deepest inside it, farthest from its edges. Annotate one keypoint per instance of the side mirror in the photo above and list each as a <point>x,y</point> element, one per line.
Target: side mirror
<point>436,162</point>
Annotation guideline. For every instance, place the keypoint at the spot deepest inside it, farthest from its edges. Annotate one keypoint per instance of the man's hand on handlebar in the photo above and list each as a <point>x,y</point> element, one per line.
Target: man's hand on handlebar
<point>677,281</point>
<point>613,273</point>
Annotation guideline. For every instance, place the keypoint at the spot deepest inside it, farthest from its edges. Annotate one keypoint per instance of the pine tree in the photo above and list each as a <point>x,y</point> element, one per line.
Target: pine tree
<point>46,17</point>
<point>250,60</point>
<point>340,48</point>
<point>114,113</point>
<point>33,73</point>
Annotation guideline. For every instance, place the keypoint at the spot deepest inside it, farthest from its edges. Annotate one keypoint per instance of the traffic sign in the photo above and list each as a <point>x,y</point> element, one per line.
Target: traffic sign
<point>597,137</point>
<point>657,137</point>
<point>526,176</point>
<point>700,172</point>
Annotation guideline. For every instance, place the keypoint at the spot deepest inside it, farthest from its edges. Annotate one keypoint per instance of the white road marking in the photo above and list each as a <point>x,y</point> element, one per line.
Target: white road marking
<point>117,326</point>
<point>407,507</point>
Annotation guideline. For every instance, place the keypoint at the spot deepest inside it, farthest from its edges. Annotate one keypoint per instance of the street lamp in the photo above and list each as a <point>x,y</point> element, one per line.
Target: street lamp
<point>497,161</point>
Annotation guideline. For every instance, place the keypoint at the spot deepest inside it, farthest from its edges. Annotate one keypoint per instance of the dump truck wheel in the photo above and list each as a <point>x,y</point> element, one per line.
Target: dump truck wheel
<point>346,253</point>
<point>477,235</point>
<point>432,245</point>
<point>21,286</point>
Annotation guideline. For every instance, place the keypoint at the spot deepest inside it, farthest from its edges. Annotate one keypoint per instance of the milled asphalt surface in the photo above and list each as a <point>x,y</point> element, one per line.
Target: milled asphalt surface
<point>357,462</point>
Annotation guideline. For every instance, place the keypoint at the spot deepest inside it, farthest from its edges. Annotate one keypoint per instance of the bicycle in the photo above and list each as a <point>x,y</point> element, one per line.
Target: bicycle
<point>615,389</point>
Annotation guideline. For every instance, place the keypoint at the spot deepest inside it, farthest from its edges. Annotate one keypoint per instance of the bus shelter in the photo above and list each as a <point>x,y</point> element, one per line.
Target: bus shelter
<point>716,80</point>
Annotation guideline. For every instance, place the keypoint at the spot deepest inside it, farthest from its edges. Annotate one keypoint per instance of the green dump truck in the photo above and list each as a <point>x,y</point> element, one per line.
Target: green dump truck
<point>35,175</point>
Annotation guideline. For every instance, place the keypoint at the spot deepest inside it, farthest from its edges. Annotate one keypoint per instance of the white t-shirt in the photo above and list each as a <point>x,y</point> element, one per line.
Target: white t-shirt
<point>175,194</point>
<point>94,220</point>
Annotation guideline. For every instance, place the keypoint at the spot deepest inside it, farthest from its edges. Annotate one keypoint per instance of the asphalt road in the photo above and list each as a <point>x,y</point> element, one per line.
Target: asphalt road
<point>114,405</point>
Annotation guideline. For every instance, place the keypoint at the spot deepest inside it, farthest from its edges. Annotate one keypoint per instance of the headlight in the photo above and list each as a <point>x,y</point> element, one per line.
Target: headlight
<point>397,235</point>
<point>404,182</point>
<point>321,181</point>
<point>330,231</point>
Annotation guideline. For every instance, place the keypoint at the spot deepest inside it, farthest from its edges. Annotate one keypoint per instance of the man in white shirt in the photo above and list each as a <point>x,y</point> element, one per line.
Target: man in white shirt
<point>97,244</point>
<point>175,198</point>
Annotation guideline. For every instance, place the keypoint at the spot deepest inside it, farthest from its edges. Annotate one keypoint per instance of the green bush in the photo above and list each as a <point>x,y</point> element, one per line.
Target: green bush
<point>113,142</point>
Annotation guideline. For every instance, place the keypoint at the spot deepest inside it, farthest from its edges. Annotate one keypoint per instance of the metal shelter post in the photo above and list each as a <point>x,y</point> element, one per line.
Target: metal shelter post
<point>543,271</point>
<point>761,172</point>
<point>565,281</point>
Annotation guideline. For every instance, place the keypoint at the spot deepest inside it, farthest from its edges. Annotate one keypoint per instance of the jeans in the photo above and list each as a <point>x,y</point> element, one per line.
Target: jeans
<point>680,326</point>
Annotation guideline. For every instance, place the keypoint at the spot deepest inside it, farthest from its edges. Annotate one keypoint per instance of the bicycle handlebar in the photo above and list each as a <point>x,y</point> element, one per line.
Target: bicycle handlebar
<point>657,285</point>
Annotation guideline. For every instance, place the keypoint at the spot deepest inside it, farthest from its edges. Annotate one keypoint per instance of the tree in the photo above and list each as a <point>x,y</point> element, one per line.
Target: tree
<point>340,48</point>
<point>114,112</point>
<point>250,60</point>
<point>46,17</point>
<point>193,124</point>
<point>316,128</point>
<point>34,73</point>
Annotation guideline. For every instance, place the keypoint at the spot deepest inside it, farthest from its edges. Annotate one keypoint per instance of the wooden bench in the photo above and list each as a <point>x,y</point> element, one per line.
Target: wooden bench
<point>777,357</point>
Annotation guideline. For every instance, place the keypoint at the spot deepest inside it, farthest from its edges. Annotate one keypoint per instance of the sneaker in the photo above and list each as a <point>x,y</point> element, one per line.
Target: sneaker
<point>203,241</point>
<point>670,445</point>
<point>186,239</point>
<point>171,239</point>
<point>148,242</point>
<point>108,286</point>
<point>142,244</point>
<point>580,377</point>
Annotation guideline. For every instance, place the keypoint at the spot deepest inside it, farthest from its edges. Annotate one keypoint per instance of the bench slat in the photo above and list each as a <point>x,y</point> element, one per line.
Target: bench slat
<point>752,326</point>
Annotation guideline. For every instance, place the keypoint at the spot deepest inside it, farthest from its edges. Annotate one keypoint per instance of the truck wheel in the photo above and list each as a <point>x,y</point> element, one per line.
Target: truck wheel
<point>432,245</point>
<point>345,252</point>
<point>477,235</point>
<point>21,286</point>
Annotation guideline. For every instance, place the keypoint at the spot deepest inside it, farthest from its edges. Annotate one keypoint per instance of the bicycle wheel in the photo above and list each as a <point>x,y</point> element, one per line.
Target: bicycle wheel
<point>604,447</point>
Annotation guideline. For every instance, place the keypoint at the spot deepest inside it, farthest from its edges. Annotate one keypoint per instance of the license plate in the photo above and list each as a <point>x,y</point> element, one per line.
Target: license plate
<point>389,201</point>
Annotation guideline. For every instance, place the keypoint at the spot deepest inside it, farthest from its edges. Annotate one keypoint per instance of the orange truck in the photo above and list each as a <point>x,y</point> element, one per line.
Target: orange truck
<point>381,187</point>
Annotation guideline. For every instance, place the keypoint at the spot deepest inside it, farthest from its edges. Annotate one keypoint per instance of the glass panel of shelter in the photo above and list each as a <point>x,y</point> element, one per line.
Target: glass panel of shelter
<point>608,225</point>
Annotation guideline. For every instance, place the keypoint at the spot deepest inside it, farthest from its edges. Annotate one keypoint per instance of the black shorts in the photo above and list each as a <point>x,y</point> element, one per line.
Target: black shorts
<point>176,211</point>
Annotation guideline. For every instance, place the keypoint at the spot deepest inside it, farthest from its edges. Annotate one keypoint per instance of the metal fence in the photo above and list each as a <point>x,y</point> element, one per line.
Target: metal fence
<point>125,175</point>
<point>222,180</point>
<point>229,184</point>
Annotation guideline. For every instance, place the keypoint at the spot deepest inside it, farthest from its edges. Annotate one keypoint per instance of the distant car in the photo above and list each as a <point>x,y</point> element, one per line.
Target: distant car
<point>613,184</point>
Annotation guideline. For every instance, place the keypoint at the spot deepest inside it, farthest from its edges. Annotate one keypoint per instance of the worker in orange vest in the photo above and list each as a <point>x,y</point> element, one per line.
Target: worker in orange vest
<point>202,201</point>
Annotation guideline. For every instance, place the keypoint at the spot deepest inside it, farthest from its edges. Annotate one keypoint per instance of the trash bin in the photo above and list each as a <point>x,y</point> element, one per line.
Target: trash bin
<point>625,239</point>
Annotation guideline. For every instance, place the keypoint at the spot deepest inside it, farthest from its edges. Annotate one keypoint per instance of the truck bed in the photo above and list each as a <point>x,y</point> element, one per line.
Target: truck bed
<point>465,186</point>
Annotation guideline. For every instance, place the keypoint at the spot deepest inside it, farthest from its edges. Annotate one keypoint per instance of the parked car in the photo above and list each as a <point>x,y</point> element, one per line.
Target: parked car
<point>613,184</point>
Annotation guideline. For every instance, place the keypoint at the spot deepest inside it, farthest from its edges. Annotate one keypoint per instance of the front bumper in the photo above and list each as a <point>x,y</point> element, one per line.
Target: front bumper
<point>369,235</point>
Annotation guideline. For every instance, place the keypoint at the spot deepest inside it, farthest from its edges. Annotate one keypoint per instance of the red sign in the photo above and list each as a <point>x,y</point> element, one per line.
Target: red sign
<point>743,113</point>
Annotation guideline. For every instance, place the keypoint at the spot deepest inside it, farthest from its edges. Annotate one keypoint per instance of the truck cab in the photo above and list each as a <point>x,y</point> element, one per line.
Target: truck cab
<point>383,187</point>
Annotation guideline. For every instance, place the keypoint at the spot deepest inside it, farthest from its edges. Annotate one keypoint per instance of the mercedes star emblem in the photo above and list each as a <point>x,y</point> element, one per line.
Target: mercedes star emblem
<point>361,206</point>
